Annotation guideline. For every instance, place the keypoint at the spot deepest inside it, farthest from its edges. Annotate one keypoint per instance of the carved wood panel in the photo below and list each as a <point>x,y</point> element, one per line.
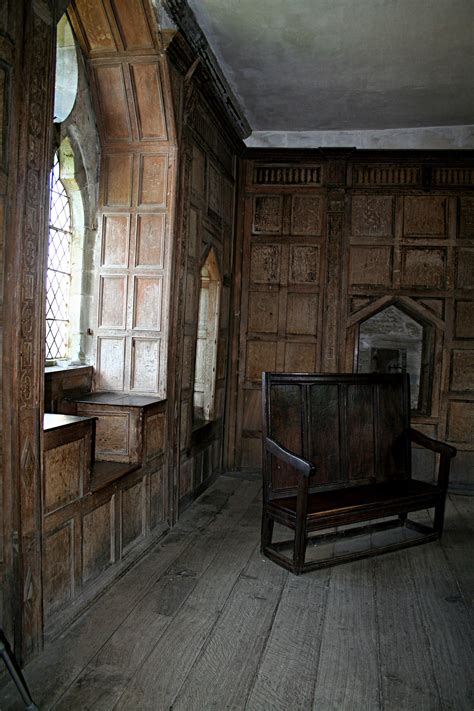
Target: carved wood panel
<point>133,103</point>
<point>320,258</point>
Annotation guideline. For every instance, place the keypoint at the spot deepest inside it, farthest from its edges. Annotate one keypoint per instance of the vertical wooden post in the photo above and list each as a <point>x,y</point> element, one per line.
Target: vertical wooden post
<point>23,358</point>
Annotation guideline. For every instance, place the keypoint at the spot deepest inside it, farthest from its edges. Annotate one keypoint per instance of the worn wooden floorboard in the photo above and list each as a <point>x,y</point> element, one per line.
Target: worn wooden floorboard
<point>449,635</point>
<point>458,544</point>
<point>203,622</point>
<point>347,674</point>
<point>285,677</point>
<point>66,657</point>
<point>158,682</point>
<point>104,679</point>
<point>408,680</point>
<point>224,672</point>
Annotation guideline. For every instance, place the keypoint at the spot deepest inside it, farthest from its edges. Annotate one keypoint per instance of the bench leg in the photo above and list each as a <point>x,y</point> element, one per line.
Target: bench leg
<point>439,517</point>
<point>299,550</point>
<point>15,673</point>
<point>267,530</point>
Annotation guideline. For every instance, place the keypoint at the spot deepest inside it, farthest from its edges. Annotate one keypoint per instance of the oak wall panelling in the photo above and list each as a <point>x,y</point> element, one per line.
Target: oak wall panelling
<point>130,82</point>
<point>331,238</point>
<point>205,222</point>
<point>26,63</point>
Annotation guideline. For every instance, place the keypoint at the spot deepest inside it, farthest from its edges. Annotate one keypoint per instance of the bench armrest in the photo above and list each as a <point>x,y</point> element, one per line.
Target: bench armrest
<point>433,444</point>
<point>445,451</point>
<point>303,466</point>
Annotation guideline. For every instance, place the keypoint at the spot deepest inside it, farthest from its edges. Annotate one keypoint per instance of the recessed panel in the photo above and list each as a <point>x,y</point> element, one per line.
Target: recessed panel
<point>424,216</point>
<point>110,363</point>
<point>97,548</point>
<point>145,365</point>
<point>150,110</point>
<point>265,264</point>
<point>306,215</point>
<point>147,303</point>
<point>132,24</point>
<point>63,474</point>
<point>466,221</point>
<point>304,264</point>
<point>302,314</point>
<point>424,268</point>
<point>115,240</point>
<point>372,216</point>
<point>157,498</point>
<point>155,434</point>
<point>118,179</point>
<point>300,358</point>
<point>133,503</point>
<point>153,180</point>
<point>193,232</point>
<point>112,434</point>
<point>198,172</point>
<point>58,568</point>
<point>150,240</point>
<point>261,355</point>
<point>267,215</point>
<point>461,422</point>
<point>371,266</point>
<point>96,25</point>
<point>252,415</point>
<point>112,300</point>
<point>464,324</point>
<point>465,269</point>
<point>113,102</point>
<point>263,312</point>
<point>462,370</point>
<point>215,190</point>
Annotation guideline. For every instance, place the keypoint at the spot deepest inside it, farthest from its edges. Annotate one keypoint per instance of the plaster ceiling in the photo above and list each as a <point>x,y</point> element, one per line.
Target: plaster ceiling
<point>345,65</point>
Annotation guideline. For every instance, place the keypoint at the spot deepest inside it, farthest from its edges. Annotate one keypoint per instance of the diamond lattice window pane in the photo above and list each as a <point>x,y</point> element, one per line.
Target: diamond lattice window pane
<point>58,277</point>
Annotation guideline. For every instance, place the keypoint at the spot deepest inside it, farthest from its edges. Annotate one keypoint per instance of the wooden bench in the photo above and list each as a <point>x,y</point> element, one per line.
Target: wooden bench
<point>337,452</point>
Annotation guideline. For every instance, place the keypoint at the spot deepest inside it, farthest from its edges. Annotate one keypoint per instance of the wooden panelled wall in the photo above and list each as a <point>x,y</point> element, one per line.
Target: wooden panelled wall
<point>26,58</point>
<point>329,240</point>
<point>132,99</point>
<point>205,219</point>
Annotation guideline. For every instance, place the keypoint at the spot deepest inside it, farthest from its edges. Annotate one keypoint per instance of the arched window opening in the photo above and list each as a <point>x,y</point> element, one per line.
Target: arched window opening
<point>58,275</point>
<point>207,336</point>
<point>394,341</point>
<point>66,79</point>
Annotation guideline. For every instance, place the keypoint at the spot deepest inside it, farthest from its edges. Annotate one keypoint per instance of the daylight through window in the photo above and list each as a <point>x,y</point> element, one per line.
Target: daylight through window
<point>58,278</point>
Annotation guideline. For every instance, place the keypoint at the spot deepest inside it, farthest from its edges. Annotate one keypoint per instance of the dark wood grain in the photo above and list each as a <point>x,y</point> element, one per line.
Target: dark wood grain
<point>354,432</point>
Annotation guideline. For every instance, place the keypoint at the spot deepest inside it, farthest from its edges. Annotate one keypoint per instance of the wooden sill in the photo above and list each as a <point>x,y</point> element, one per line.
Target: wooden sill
<point>104,473</point>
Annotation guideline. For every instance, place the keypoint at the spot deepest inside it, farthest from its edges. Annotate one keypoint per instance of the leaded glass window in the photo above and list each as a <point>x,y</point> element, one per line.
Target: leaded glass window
<point>58,278</point>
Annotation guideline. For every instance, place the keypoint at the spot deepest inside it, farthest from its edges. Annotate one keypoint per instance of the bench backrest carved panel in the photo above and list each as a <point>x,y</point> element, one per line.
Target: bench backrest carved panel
<point>352,427</point>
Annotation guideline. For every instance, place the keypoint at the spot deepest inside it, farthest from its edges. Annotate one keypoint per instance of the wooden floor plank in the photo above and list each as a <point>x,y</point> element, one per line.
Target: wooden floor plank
<point>458,544</point>
<point>407,677</point>
<point>202,622</point>
<point>224,672</point>
<point>285,678</point>
<point>104,679</point>
<point>448,626</point>
<point>347,675</point>
<point>158,682</point>
<point>65,658</point>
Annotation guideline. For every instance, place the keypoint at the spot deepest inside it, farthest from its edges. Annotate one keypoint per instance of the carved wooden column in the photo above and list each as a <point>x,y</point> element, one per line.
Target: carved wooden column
<point>336,179</point>
<point>23,357</point>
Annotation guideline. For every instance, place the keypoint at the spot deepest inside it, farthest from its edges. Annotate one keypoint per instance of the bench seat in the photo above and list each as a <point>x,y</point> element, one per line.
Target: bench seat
<point>337,453</point>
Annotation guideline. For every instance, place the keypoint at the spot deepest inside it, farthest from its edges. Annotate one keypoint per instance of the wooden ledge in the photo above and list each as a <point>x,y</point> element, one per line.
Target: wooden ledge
<point>104,473</point>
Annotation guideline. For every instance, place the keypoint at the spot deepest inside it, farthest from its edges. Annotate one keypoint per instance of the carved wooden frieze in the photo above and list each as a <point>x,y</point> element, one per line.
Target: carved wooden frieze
<point>386,175</point>
<point>310,175</point>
